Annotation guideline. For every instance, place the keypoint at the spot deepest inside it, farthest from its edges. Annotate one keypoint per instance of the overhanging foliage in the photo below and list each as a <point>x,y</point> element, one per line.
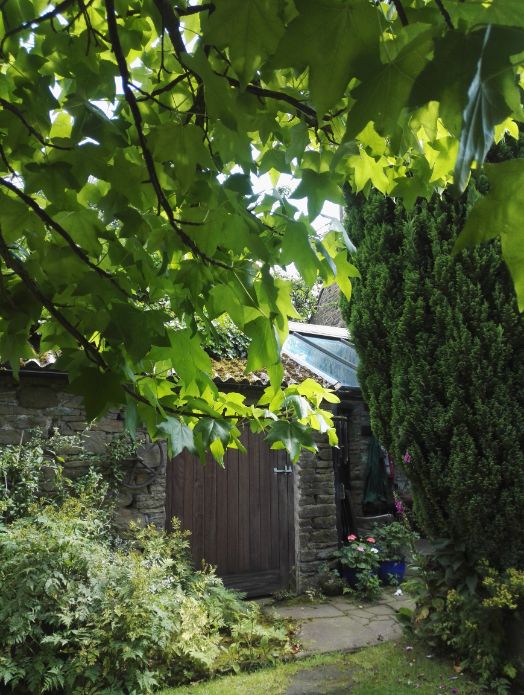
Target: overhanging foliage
<point>130,133</point>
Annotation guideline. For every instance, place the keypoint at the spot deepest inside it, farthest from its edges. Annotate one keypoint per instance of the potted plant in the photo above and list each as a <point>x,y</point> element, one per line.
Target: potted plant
<point>359,558</point>
<point>393,540</point>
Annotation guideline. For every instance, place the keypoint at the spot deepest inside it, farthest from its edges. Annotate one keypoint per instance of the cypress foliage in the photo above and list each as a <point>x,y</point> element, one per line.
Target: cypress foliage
<point>441,348</point>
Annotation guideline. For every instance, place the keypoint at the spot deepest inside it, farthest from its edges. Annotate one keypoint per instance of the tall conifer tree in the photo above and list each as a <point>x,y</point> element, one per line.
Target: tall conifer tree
<point>441,347</point>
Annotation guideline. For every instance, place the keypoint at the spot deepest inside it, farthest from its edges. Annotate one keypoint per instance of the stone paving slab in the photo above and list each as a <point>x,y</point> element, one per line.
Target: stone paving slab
<point>339,634</point>
<point>312,611</point>
<point>340,624</point>
<point>328,680</point>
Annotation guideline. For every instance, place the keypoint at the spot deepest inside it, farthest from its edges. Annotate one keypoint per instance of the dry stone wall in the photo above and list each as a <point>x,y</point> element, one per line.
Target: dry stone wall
<point>41,400</point>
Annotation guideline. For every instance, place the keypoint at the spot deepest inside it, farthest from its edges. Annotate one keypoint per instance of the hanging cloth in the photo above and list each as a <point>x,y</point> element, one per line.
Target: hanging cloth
<point>377,488</point>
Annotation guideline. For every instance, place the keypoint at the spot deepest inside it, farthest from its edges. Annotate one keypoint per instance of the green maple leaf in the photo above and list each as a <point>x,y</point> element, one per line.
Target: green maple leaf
<point>317,188</point>
<point>297,249</point>
<point>367,168</point>
<point>178,434</point>
<point>100,391</point>
<point>336,40</point>
<point>292,436</point>
<point>506,12</point>
<point>384,92</point>
<point>499,213</point>
<point>212,433</point>
<point>492,96</point>
<point>184,146</point>
<point>249,29</point>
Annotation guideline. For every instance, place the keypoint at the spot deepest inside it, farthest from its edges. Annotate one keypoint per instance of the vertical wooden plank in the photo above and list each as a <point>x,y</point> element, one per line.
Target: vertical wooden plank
<point>197,537</point>
<point>290,521</point>
<point>221,517</point>
<point>266,470</point>
<point>273,541</point>
<point>187,518</point>
<point>233,520</point>
<point>175,507</point>
<point>244,511</point>
<point>254,502</point>
<point>210,512</point>
<point>170,470</point>
<point>283,521</point>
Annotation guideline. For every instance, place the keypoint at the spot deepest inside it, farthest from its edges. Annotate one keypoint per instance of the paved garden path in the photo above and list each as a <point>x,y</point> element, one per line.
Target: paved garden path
<point>342,624</point>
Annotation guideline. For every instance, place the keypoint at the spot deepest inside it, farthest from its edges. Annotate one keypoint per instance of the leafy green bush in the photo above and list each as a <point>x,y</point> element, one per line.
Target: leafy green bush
<point>81,614</point>
<point>32,473</point>
<point>466,608</point>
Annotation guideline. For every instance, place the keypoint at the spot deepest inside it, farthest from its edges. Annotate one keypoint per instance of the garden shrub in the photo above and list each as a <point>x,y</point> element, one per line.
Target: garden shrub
<point>82,613</point>
<point>32,474</point>
<point>467,608</point>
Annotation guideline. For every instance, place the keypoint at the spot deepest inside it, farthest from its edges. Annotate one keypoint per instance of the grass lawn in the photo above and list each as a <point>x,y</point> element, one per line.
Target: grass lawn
<point>387,669</point>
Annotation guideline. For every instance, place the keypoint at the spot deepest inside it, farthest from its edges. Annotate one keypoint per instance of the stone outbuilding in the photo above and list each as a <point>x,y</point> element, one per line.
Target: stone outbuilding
<point>267,525</point>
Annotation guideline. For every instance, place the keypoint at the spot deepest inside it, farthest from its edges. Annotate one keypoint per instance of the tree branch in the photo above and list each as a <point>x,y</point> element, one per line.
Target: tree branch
<point>170,85</point>
<point>18,267</point>
<point>445,14</point>
<point>14,110</point>
<point>31,23</point>
<point>50,222</point>
<point>148,158</point>
<point>185,11</point>
<point>309,112</point>
<point>401,12</point>
<point>172,24</point>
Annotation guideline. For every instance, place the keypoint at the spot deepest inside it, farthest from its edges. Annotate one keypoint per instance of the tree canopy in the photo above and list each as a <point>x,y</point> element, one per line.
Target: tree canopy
<point>132,134</point>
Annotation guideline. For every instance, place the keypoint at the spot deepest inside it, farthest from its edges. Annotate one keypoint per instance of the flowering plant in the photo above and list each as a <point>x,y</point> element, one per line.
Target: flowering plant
<point>393,540</point>
<point>359,553</point>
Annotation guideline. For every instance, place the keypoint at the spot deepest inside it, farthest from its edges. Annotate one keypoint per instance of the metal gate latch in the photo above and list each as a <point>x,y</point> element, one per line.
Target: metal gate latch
<point>286,469</point>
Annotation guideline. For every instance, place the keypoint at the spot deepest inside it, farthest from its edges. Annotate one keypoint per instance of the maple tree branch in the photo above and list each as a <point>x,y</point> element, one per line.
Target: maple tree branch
<point>279,96</point>
<point>170,85</point>
<point>445,14</point>
<point>171,21</point>
<point>185,11</point>
<point>148,157</point>
<point>401,12</point>
<point>50,222</point>
<point>18,268</point>
<point>32,23</point>
<point>147,96</point>
<point>7,165</point>
<point>14,110</point>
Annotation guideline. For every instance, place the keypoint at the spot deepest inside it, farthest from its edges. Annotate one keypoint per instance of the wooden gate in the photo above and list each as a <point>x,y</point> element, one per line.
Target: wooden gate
<point>241,517</point>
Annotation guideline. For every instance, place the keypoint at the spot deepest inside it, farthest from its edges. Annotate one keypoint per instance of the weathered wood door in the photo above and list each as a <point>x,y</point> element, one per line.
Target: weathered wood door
<point>241,517</point>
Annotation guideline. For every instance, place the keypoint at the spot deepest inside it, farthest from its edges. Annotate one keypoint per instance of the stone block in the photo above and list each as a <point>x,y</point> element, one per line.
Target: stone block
<point>96,442</point>
<point>308,512</point>
<point>322,522</point>
<point>36,397</point>
<point>323,536</point>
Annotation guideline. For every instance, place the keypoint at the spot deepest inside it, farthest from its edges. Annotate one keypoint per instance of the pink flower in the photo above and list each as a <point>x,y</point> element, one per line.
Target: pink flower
<point>360,548</point>
<point>399,506</point>
<point>352,537</point>
<point>407,457</point>
<point>370,540</point>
